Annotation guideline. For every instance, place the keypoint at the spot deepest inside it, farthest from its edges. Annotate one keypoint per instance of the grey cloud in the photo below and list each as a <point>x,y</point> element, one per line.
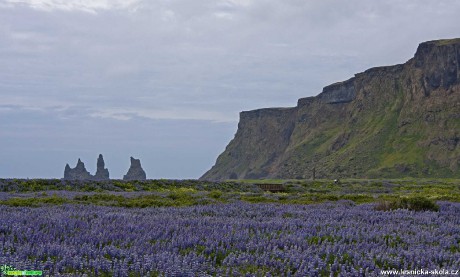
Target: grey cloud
<point>91,6</point>
<point>86,63</point>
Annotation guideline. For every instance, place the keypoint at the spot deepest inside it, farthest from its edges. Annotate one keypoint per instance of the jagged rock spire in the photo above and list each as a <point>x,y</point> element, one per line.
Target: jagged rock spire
<point>77,173</point>
<point>67,171</point>
<point>100,161</point>
<point>135,171</point>
<point>102,173</point>
<point>80,172</point>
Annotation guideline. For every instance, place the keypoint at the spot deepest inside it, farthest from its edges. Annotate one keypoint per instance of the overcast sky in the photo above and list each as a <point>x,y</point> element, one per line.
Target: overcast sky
<point>164,81</point>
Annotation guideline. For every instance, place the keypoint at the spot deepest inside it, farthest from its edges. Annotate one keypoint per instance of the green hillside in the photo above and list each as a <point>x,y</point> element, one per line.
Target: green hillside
<point>391,122</point>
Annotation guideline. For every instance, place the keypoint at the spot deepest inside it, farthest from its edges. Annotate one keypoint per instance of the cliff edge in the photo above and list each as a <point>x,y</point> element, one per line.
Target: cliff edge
<point>392,121</point>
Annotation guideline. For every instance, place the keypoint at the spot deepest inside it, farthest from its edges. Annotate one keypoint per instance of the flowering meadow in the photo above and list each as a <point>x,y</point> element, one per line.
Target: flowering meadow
<point>233,239</point>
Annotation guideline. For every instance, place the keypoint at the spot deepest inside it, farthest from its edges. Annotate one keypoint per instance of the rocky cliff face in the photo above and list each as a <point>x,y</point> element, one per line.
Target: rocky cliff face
<point>135,171</point>
<point>393,121</point>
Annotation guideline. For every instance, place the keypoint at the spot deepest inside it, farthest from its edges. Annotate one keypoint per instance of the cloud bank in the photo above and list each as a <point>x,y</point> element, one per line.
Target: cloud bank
<point>160,65</point>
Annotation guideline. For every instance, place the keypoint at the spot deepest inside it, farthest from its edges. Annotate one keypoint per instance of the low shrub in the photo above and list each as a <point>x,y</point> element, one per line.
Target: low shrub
<point>418,203</point>
<point>215,194</point>
<point>34,201</point>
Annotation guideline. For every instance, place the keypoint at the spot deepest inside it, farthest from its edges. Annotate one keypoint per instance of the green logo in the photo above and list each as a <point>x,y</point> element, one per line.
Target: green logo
<point>5,268</point>
<point>8,270</point>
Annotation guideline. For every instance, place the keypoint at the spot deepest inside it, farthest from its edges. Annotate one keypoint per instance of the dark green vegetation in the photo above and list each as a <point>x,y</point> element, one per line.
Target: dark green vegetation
<point>418,203</point>
<point>414,194</point>
<point>386,122</point>
<point>34,185</point>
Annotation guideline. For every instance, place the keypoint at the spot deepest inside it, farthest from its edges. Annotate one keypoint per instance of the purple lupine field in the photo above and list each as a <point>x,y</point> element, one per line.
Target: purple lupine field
<point>238,239</point>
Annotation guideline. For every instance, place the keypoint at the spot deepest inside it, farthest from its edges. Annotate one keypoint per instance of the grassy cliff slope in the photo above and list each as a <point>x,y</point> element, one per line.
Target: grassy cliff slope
<point>394,121</point>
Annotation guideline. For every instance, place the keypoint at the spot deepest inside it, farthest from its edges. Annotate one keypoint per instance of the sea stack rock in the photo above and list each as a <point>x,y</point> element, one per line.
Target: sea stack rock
<point>135,171</point>
<point>102,173</point>
<point>67,171</point>
<point>77,173</point>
